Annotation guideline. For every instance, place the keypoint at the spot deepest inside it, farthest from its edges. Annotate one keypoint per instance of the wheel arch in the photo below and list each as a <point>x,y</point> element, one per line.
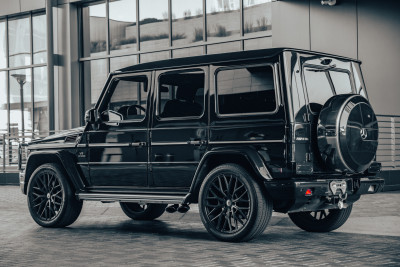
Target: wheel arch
<point>247,158</point>
<point>64,158</point>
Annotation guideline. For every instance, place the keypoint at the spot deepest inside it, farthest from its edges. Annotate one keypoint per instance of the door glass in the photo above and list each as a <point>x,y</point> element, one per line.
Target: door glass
<point>318,88</point>
<point>246,90</point>
<point>341,82</point>
<point>181,94</point>
<point>128,101</point>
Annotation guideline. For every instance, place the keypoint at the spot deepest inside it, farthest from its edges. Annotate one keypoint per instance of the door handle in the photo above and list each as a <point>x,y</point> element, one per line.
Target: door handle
<point>197,142</point>
<point>138,144</point>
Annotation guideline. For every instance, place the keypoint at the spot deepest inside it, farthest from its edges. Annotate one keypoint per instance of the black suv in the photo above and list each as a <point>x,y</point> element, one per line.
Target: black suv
<point>241,134</point>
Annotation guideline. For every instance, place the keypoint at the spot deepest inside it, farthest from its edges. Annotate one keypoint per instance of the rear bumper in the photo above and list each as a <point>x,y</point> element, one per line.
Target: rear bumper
<point>290,195</point>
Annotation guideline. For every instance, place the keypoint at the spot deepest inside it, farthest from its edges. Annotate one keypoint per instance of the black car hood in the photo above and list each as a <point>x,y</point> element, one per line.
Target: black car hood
<point>67,136</point>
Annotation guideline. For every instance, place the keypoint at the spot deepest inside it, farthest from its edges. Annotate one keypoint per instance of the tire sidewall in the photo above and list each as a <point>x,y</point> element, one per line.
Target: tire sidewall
<point>66,194</point>
<point>247,181</point>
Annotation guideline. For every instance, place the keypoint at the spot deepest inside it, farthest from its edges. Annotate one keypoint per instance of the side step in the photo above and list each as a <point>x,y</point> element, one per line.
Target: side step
<point>136,198</point>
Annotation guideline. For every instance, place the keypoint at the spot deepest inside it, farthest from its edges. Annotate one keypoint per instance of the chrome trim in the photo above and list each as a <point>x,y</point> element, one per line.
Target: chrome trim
<point>46,146</point>
<point>136,198</point>
<point>175,162</point>
<point>81,145</point>
<point>169,143</point>
<point>109,145</point>
<point>113,163</point>
<point>246,142</point>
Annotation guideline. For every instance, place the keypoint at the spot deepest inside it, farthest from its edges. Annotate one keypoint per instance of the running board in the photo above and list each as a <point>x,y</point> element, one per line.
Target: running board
<point>141,199</point>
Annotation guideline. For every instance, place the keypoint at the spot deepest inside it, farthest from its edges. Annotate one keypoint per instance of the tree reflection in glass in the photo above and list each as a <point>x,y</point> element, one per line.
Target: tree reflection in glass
<point>94,30</point>
<point>154,33</point>
<point>223,19</point>
<point>122,22</point>
<point>187,21</point>
<point>257,16</point>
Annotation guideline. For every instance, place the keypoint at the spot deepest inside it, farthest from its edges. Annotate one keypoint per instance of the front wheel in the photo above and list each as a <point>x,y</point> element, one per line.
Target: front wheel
<point>232,204</point>
<point>322,220</point>
<point>144,212</point>
<point>51,199</point>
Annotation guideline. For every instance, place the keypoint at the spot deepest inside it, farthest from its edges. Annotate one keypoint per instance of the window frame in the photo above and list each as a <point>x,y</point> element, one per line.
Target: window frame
<point>105,98</point>
<point>204,69</point>
<point>276,90</point>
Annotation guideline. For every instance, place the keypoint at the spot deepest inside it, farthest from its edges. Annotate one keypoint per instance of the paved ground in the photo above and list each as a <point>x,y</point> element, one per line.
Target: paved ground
<point>104,236</point>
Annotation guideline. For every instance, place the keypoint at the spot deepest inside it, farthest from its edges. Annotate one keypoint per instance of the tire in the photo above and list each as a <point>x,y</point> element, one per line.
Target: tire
<point>51,199</point>
<point>321,221</point>
<point>232,205</point>
<point>147,212</point>
<point>347,134</point>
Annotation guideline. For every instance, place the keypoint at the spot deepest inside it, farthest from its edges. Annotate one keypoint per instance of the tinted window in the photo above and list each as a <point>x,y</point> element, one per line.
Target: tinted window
<point>341,81</point>
<point>181,94</point>
<point>130,98</point>
<point>246,90</point>
<point>318,87</point>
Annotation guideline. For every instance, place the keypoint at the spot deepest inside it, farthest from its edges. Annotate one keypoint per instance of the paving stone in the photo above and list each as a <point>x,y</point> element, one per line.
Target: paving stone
<point>104,236</point>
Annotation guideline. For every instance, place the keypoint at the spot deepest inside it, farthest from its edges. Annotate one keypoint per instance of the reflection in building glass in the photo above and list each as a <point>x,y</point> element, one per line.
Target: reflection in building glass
<point>40,98</point>
<point>122,23</point>
<point>39,39</point>
<point>3,46</point>
<point>187,21</point>
<point>154,29</point>
<point>223,19</point>
<point>19,42</point>
<point>3,101</point>
<point>21,99</point>
<point>257,16</point>
<point>94,30</point>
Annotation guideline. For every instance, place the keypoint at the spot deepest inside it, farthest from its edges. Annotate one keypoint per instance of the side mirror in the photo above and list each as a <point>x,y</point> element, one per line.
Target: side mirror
<point>91,116</point>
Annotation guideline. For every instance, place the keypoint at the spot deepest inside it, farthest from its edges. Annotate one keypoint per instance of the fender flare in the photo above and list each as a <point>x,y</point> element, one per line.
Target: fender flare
<point>63,157</point>
<point>252,156</point>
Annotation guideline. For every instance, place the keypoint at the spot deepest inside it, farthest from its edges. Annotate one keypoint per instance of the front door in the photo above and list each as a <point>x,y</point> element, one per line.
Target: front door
<point>178,132</point>
<point>118,146</point>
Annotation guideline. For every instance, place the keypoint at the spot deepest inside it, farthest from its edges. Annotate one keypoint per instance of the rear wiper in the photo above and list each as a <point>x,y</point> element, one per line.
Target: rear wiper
<point>324,69</point>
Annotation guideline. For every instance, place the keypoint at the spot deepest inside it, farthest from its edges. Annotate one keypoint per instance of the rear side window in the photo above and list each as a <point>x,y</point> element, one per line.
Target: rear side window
<point>249,90</point>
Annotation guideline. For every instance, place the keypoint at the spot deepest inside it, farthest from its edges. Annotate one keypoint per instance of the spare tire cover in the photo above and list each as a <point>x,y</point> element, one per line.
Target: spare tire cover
<point>347,133</point>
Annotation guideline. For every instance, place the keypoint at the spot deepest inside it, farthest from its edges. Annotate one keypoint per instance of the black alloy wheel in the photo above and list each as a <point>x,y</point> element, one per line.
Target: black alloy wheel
<point>138,211</point>
<point>51,200</point>
<point>232,205</point>
<point>322,220</point>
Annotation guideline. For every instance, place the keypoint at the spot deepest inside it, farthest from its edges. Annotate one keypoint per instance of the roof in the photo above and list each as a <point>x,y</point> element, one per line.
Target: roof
<point>218,58</point>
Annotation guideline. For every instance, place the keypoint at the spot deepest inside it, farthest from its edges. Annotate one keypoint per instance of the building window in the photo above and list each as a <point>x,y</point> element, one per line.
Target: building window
<point>223,19</point>
<point>257,16</point>
<point>23,76</point>
<point>154,24</point>
<point>120,33</point>
<point>187,22</point>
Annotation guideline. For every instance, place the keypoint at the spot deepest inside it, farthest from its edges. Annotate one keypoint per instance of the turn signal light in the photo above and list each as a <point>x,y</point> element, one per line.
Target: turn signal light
<point>308,192</point>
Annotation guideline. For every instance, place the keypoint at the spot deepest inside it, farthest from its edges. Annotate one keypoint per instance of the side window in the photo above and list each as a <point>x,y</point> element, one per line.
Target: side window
<point>181,94</point>
<point>129,99</point>
<point>245,90</point>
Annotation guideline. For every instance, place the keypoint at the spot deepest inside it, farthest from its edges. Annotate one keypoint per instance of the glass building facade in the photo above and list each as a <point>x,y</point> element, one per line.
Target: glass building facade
<point>23,75</point>
<point>120,33</point>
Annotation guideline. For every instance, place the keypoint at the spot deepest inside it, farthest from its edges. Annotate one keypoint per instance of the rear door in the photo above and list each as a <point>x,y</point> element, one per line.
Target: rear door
<point>179,126</point>
<point>246,110</point>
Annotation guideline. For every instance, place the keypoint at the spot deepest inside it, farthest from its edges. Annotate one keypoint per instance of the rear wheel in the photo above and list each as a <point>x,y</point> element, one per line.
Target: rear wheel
<point>232,205</point>
<point>322,220</point>
<point>143,212</point>
<point>51,199</point>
